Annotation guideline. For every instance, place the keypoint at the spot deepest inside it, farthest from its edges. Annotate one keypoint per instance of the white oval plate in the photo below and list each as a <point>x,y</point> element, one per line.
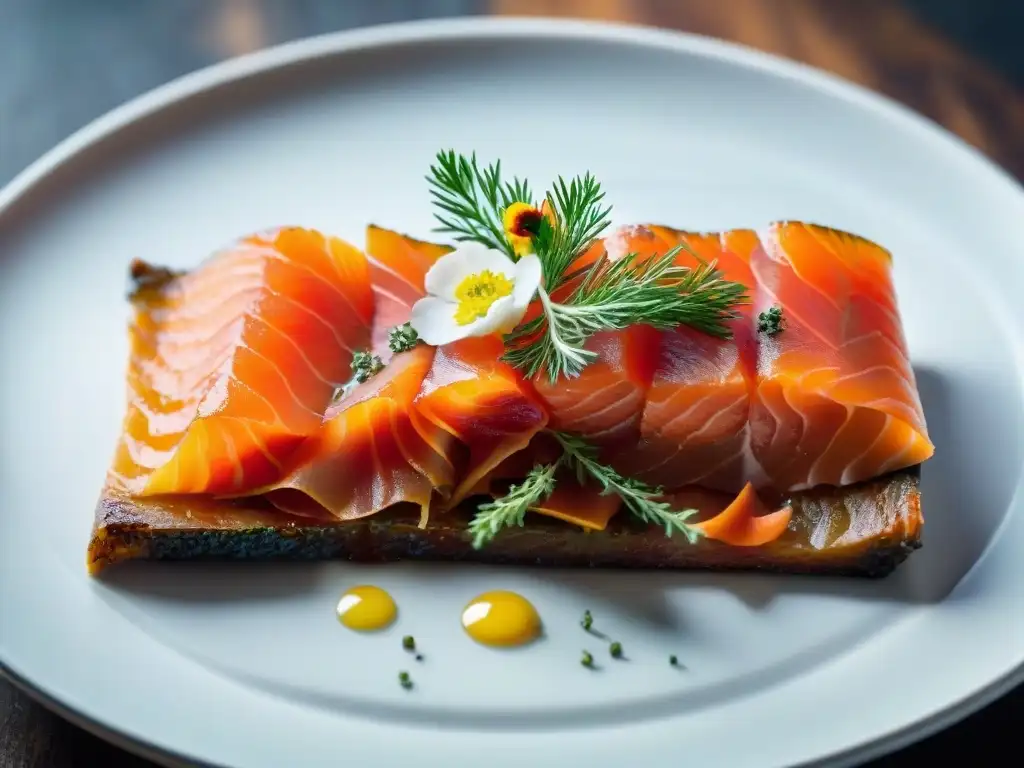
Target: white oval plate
<point>246,665</point>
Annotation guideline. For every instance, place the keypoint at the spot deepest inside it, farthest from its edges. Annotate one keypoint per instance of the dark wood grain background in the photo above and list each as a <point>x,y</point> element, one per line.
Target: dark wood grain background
<point>65,62</point>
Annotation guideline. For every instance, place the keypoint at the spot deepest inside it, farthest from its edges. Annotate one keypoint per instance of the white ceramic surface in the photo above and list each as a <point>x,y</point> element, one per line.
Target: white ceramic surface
<point>246,665</point>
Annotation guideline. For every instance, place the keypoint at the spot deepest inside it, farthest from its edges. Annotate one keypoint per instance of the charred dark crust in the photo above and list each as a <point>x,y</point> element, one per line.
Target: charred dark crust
<point>145,278</point>
<point>864,530</point>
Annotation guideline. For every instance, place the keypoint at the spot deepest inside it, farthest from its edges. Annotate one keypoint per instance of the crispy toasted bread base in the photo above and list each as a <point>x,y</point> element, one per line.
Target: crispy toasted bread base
<point>865,529</point>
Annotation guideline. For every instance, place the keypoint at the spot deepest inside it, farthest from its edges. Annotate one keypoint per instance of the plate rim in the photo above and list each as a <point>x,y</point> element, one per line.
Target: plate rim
<point>462,29</point>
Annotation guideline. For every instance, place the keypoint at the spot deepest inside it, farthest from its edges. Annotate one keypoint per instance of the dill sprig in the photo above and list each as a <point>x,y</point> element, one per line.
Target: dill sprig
<point>472,199</point>
<point>580,218</point>
<point>614,295</point>
<point>510,509</point>
<point>643,500</point>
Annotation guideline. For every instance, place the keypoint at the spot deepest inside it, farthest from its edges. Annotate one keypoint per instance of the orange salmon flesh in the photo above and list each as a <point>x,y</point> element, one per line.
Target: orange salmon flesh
<point>234,369</point>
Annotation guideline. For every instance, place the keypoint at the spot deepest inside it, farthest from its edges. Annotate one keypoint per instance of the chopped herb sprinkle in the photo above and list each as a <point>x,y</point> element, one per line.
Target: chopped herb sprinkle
<point>404,680</point>
<point>402,338</point>
<point>769,322</point>
<point>673,660</point>
<point>615,649</point>
<point>588,621</point>
<point>409,643</point>
<point>587,660</point>
<point>365,365</point>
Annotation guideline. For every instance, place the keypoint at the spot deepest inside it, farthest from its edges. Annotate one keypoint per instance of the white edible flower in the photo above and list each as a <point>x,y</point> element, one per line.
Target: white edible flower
<point>474,291</point>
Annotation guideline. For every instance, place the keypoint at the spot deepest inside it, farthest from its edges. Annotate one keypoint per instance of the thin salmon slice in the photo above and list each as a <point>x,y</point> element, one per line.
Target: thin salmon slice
<point>581,504</point>
<point>739,520</point>
<point>605,403</point>
<point>482,402</point>
<point>398,265</point>
<point>542,449</point>
<point>371,452</point>
<point>469,392</point>
<point>694,424</point>
<point>836,400</point>
<point>233,364</point>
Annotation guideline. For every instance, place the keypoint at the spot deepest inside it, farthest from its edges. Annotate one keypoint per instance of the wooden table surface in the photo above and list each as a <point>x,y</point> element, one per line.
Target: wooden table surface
<point>64,62</point>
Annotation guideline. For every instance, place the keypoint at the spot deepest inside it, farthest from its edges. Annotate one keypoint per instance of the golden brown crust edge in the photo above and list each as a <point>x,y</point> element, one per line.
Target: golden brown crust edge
<point>865,529</point>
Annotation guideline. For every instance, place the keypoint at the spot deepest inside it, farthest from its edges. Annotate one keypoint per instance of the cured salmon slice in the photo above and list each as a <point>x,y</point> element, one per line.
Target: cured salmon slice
<point>836,400</point>
<point>578,504</point>
<point>483,403</point>
<point>743,521</point>
<point>233,364</point>
<point>398,265</point>
<point>469,393</point>
<point>543,449</point>
<point>605,402</point>
<point>372,451</point>
<point>694,423</point>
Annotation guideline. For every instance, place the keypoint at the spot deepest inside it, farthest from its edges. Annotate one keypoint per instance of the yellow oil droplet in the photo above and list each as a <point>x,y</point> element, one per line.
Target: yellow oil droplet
<point>366,608</point>
<point>501,619</point>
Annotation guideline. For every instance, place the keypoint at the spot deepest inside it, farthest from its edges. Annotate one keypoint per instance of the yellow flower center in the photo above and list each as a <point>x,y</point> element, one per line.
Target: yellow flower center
<point>521,222</point>
<point>477,292</point>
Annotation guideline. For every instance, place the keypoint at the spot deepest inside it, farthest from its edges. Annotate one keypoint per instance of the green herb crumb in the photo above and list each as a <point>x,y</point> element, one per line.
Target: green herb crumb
<point>404,680</point>
<point>365,365</point>
<point>588,621</point>
<point>673,660</point>
<point>615,649</point>
<point>769,322</point>
<point>402,338</point>
<point>587,660</point>
<point>409,643</point>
